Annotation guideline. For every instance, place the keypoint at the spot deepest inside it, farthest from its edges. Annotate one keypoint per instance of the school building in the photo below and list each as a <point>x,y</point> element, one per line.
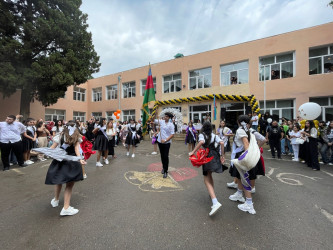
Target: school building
<point>286,70</point>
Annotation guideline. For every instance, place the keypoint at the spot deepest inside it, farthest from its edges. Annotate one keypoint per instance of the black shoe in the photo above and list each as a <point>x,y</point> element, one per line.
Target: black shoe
<point>6,169</point>
<point>273,157</point>
<point>165,175</point>
<point>279,158</point>
<point>162,172</point>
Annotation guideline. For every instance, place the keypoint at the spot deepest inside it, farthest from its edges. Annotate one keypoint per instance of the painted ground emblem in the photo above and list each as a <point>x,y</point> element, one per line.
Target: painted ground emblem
<point>152,180</point>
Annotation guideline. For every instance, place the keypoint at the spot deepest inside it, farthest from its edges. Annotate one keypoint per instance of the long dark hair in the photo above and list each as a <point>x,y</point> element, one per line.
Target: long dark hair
<point>57,125</point>
<point>207,130</point>
<point>329,128</point>
<point>312,125</point>
<point>246,119</point>
<point>28,120</point>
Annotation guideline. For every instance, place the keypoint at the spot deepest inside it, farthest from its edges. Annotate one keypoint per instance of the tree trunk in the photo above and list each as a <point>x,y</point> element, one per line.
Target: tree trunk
<point>25,104</point>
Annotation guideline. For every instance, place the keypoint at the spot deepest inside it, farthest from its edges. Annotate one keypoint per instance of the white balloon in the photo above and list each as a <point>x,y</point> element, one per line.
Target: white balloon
<point>114,117</point>
<point>309,111</point>
<point>269,120</point>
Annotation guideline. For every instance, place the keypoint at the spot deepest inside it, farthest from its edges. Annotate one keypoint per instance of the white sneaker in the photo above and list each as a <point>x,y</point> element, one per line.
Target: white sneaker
<point>232,185</point>
<point>247,208</point>
<point>154,153</point>
<point>69,211</point>
<point>127,153</point>
<point>133,155</point>
<point>98,164</point>
<point>268,150</point>
<point>330,164</point>
<point>28,162</point>
<point>106,161</point>
<point>215,208</point>
<point>85,176</point>
<point>237,197</point>
<point>321,162</point>
<point>295,159</point>
<point>54,203</point>
<point>31,162</point>
<point>43,159</point>
<point>253,190</point>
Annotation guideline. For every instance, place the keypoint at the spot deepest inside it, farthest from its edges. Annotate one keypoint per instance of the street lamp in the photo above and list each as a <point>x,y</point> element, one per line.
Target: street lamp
<point>119,93</point>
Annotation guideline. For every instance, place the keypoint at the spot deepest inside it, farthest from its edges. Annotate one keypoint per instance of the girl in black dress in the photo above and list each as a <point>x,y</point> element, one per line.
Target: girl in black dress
<point>132,137</point>
<point>29,140</point>
<point>191,136</point>
<point>310,146</point>
<point>101,143</point>
<point>66,171</point>
<point>207,139</point>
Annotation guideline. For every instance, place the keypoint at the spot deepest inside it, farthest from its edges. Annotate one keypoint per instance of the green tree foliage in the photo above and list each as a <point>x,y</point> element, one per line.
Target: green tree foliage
<point>331,4</point>
<point>44,48</point>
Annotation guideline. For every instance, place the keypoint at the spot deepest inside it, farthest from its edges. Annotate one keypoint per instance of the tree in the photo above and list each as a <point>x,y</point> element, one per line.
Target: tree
<point>331,4</point>
<point>45,48</point>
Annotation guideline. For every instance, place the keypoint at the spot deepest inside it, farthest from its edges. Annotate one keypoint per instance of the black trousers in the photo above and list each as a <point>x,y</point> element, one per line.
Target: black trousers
<point>164,151</point>
<point>275,144</point>
<point>16,148</point>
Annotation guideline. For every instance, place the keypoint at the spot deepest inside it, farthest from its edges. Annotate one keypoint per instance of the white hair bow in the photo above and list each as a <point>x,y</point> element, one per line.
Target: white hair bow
<point>71,130</point>
<point>244,125</point>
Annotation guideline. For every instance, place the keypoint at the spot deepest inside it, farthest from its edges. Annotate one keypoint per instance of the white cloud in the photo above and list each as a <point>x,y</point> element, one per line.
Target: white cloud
<point>129,34</point>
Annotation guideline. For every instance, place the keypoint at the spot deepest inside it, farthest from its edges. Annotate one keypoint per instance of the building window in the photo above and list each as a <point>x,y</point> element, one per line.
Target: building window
<point>81,116</point>
<point>172,83</point>
<point>200,113</point>
<point>276,67</point>
<point>128,89</point>
<point>128,114</point>
<point>321,60</point>
<point>279,109</point>
<point>79,94</point>
<point>109,115</point>
<point>111,92</point>
<point>201,78</point>
<point>326,104</point>
<point>96,115</point>
<point>235,73</point>
<point>97,95</point>
<point>55,114</point>
<point>143,86</point>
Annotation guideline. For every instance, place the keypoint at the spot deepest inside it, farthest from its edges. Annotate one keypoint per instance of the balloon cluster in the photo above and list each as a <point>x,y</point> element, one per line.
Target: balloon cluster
<point>316,123</point>
<point>116,114</point>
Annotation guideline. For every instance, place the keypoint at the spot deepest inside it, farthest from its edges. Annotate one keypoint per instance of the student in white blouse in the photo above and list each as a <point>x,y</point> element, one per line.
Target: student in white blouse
<point>11,140</point>
<point>167,131</point>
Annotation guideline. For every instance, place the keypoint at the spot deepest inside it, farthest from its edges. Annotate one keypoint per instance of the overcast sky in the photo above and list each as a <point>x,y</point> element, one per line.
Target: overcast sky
<point>131,33</point>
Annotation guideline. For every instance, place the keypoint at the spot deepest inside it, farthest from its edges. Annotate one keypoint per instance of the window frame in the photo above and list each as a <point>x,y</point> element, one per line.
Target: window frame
<point>130,115</point>
<point>174,81</point>
<point>97,94</point>
<point>329,53</point>
<point>234,63</point>
<point>81,92</point>
<point>196,77</point>
<point>79,115</point>
<point>324,107</point>
<point>274,63</point>
<point>280,109</point>
<point>55,115</point>
<point>127,88</point>
<point>114,92</point>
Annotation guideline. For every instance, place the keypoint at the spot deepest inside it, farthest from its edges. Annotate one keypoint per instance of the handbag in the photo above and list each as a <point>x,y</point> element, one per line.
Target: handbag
<point>299,141</point>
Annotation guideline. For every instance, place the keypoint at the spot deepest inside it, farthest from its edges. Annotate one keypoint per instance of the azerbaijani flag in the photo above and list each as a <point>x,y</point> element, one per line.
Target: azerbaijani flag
<point>214,108</point>
<point>149,97</point>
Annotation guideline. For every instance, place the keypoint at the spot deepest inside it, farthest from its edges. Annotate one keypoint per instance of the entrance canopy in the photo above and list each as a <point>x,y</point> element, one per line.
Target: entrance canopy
<point>236,98</point>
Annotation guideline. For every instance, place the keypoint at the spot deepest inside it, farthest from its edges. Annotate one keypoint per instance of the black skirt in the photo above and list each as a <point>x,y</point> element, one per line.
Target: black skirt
<point>101,142</point>
<point>27,143</point>
<point>111,144</point>
<point>131,141</point>
<point>190,138</point>
<point>257,170</point>
<point>215,164</point>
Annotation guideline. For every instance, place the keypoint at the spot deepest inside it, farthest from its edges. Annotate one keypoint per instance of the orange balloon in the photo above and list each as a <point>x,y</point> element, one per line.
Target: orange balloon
<point>118,111</point>
<point>115,113</point>
<point>118,116</point>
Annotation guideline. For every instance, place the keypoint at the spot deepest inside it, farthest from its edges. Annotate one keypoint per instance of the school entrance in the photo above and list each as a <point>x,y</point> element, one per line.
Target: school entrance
<point>199,113</point>
<point>231,111</point>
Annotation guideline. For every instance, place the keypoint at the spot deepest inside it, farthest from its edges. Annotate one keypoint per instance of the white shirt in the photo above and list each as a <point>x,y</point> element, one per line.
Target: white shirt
<point>217,138</point>
<point>240,133</point>
<point>166,129</point>
<point>259,137</point>
<point>293,133</point>
<point>253,119</point>
<point>223,132</point>
<point>11,132</point>
<point>54,129</point>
